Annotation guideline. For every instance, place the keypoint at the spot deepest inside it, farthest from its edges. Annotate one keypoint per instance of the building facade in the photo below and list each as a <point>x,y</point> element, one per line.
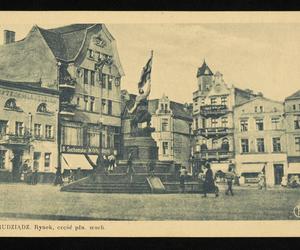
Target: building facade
<point>28,129</point>
<point>260,140</point>
<point>82,62</point>
<point>213,125</point>
<point>172,122</point>
<point>292,116</point>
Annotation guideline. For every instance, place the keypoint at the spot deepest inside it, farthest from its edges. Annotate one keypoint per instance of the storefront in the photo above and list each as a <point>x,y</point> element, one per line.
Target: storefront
<point>249,172</point>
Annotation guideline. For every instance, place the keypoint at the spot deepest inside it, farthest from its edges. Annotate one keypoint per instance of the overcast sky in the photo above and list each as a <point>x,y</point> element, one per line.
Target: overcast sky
<point>262,57</point>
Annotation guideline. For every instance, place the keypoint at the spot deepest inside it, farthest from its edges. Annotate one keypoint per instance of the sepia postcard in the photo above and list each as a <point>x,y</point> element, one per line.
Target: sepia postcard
<point>178,124</point>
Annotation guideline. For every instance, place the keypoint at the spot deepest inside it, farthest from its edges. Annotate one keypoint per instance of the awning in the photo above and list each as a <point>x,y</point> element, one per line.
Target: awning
<point>294,168</point>
<point>252,168</point>
<point>215,167</point>
<point>75,161</point>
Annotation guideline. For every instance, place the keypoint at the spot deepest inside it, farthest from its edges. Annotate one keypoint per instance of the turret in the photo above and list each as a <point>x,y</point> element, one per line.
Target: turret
<point>205,77</point>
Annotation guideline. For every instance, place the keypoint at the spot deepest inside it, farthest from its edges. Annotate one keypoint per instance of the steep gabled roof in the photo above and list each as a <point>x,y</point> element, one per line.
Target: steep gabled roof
<point>204,70</point>
<point>296,95</point>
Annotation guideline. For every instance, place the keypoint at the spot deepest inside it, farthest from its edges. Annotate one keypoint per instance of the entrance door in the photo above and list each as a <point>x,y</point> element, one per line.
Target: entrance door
<point>278,173</point>
<point>16,164</point>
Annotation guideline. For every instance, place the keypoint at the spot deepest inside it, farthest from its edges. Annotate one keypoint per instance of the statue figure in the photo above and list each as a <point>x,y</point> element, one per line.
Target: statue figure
<point>140,108</point>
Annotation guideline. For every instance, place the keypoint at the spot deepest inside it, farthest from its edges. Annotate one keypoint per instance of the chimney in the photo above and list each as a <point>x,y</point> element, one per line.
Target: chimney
<point>9,36</point>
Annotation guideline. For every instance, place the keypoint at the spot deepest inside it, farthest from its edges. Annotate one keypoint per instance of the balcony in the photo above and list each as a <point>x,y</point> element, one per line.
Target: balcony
<point>213,110</point>
<point>213,132</point>
<point>214,154</point>
<point>15,140</point>
<point>67,108</point>
<point>67,83</point>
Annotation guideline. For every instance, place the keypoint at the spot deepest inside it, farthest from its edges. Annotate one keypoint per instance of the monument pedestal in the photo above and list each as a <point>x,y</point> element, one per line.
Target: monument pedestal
<point>142,148</point>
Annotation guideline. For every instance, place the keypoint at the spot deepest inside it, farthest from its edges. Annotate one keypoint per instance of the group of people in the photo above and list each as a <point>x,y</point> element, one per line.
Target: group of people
<point>27,174</point>
<point>109,162</point>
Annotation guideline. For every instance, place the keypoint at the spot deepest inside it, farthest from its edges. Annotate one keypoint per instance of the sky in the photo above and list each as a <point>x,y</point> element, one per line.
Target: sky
<point>264,57</point>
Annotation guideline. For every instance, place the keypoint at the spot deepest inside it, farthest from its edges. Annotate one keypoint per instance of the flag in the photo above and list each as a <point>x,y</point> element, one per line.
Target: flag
<point>146,72</point>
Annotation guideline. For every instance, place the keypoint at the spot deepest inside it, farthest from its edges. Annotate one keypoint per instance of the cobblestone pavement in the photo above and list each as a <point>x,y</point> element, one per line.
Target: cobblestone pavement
<point>40,202</point>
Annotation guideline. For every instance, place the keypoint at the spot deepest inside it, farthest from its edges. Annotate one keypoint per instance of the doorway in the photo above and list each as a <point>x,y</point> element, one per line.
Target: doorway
<point>16,165</point>
<point>278,173</point>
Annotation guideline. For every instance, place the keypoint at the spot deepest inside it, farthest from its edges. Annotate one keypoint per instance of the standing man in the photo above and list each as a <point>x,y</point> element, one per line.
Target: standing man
<point>209,183</point>
<point>229,177</point>
<point>182,176</point>
<point>130,170</point>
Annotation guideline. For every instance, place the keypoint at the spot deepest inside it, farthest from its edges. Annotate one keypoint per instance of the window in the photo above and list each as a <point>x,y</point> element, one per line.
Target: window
<point>196,101</point>
<point>85,98</point>
<point>214,143</point>
<point>10,103</point>
<point>42,108</point>
<point>161,107</point>
<point>103,104</point>
<point>223,100</point>
<point>93,139</point>
<point>92,104</point>
<point>36,160</point>
<point>3,127</point>
<point>47,160</point>
<point>92,78</point>
<point>213,101</point>
<point>37,130</point>
<point>245,145</point>
<point>261,109</point>
<point>276,144</point>
<point>117,81</point>
<point>48,131</point>
<point>165,146</point>
<point>2,159</point>
<point>85,76</point>
<point>294,107</point>
<point>203,123</point>
<point>90,53</point>
<point>275,122</point>
<point>19,129</point>
<point>297,144</point>
<point>255,109</point>
<point>260,145</point>
<point>109,107</point>
<point>259,124</point>
<point>297,124</point>
<point>196,124</point>
<point>72,136</point>
<point>110,80</point>
<point>202,101</point>
<point>214,122</point>
<point>104,80</point>
<point>78,101</point>
<point>164,124</point>
<point>224,122</point>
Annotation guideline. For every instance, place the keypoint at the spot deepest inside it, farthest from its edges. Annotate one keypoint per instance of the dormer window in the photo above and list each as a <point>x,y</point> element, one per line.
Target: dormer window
<point>42,108</point>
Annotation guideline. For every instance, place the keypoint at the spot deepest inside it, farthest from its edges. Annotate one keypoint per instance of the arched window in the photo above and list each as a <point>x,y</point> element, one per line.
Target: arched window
<point>11,103</point>
<point>42,108</point>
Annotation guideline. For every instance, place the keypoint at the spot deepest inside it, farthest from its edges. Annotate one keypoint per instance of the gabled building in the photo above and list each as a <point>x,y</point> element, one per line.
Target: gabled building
<point>213,125</point>
<point>292,116</point>
<point>82,62</point>
<point>260,140</point>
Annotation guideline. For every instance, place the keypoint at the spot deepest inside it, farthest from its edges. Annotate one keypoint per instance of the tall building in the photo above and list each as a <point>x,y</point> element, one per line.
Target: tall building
<point>292,116</point>
<point>260,140</point>
<point>28,129</point>
<point>213,125</point>
<point>82,62</point>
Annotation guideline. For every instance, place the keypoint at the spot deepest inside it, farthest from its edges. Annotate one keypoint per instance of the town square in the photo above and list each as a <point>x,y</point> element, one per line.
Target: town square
<point>137,122</point>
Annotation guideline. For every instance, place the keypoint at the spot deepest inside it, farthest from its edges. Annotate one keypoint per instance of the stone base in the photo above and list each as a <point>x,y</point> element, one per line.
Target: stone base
<point>143,148</point>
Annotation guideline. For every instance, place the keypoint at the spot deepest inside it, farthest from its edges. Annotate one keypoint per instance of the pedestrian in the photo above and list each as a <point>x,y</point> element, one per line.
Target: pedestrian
<point>151,166</point>
<point>262,181</point>
<point>130,170</point>
<point>229,178</point>
<point>209,182</point>
<point>105,163</point>
<point>35,177</point>
<point>182,177</point>
<point>111,161</point>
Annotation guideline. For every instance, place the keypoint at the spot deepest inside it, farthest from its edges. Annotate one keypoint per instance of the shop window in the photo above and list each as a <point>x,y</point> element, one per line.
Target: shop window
<point>36,160</point>
<point>37,130</point>
<point>42,108</point>
<point>259,124</point>
<point>48,131</point>
<point>245,145</point>
<point>47,160</point>
<point>19,129</point>
<point>276,144</point>
<point>260,145</point>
